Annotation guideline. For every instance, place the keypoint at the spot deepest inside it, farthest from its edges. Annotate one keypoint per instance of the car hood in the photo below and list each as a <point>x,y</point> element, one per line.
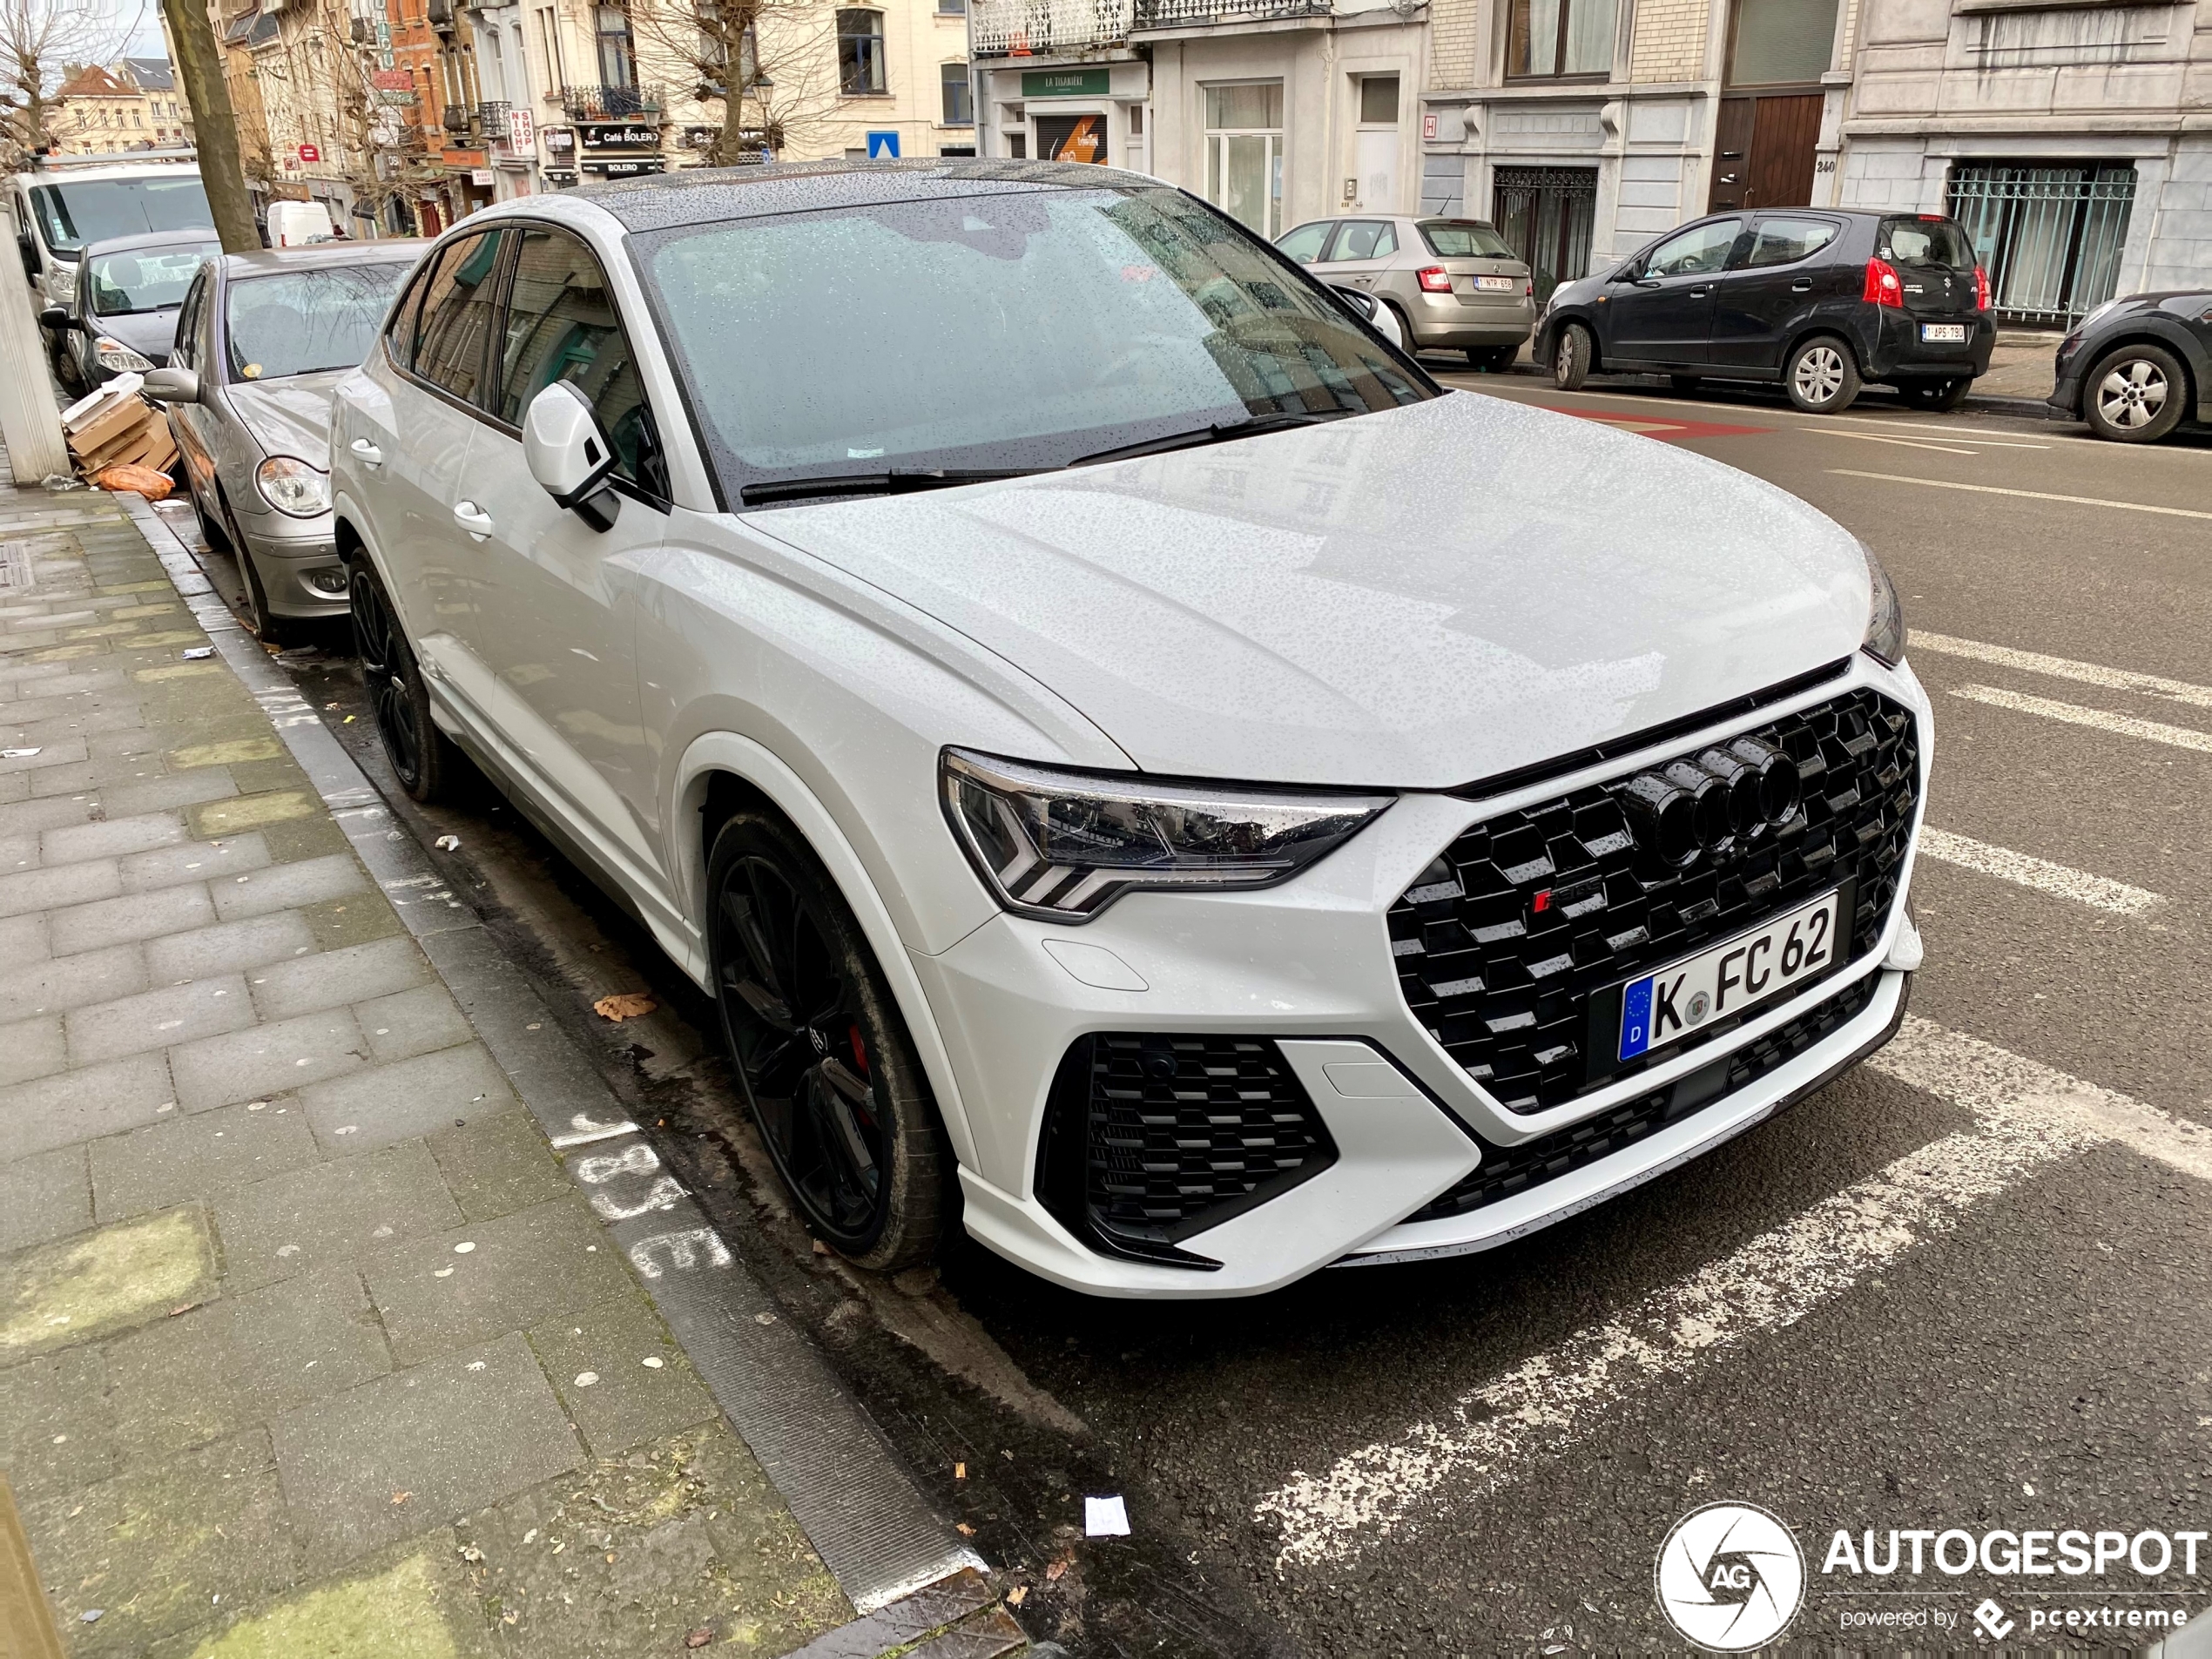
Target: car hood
<point>290,416</point>
<point>150,333</point>
<point>1418,598</point>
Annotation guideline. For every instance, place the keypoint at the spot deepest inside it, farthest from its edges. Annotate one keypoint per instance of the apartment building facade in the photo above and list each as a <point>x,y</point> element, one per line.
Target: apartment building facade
<point>95,112</point>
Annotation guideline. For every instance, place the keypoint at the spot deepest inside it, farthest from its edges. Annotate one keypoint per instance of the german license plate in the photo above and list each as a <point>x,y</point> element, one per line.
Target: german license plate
<point>1944,333</point>
<point>1495,285</point>
<point>1724,980</point>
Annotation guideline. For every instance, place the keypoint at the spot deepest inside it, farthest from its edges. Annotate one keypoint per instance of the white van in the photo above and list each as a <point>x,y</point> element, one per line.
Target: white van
<point>64,203</point>
<point>297,224</point>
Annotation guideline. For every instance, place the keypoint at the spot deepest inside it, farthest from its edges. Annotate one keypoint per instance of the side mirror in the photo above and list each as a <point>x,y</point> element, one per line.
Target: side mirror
<point>569,454</point>
<point>54,319</point>
<point>172,386</point>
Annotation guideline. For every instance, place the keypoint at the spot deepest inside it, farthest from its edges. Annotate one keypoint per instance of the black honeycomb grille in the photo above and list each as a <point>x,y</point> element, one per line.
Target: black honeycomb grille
<point>1505,1171</point>
<point>1151,1138</point>
<point>1507,988</point>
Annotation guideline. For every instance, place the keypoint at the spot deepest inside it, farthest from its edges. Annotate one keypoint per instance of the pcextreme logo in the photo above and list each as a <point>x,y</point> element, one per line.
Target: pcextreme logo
<point>1729,1577</point>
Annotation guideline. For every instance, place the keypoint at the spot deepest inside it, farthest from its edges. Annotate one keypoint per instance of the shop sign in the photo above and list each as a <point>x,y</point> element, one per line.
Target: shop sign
<point>1066,82</point>
<point>309,154</point>
<point>519,133</point>
<point>560,141</point>
<point>622,135</point>
<point>626,169</point>
<point>391,80</point>
<point>480,176</point>
<point>1071,137</point>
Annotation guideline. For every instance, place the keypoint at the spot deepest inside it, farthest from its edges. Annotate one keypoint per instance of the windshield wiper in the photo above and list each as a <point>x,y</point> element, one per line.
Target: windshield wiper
<point>1217,433</point>
<point>899,480</point>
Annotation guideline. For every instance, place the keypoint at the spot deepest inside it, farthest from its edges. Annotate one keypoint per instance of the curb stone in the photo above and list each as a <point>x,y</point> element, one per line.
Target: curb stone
<point>897,1561</point>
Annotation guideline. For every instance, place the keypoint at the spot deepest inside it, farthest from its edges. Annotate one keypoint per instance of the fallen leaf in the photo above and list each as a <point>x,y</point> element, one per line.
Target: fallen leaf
<point>965,1530</point>
<point>1017,1594</point>
<point>610,1558</point>
<point>699,1637</point>
<point>1054,1570</point>
<point>960,1472</point>
<point>402,1497</point>
<point>623,1005</point>
<point>186,1308</point>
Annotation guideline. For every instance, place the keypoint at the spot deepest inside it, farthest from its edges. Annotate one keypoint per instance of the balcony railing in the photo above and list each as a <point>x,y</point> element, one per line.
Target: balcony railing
<point>611,102</point>
<point>1042,28</point>
<point>1181,14</point>
<point>456,117</point>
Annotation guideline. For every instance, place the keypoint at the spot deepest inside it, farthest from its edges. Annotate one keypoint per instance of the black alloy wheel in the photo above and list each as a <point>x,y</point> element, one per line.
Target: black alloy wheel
<point>2135,394</point>
<point>827,1070</point>
<point>422,757</point>
<point>1571,357</point>
<point>1942,394</point>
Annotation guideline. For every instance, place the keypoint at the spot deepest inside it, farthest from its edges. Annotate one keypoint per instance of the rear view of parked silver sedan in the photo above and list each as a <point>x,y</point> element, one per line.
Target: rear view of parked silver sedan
<point>1147,777</point>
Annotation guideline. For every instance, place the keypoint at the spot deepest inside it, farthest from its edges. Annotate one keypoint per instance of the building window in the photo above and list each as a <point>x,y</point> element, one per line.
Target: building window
<point>1781,42</point>
<point>951,8</point>
<point>1245,153</point>
<point>859,52</point>
<point>1379,100</point>
<point>1561,37</point>
<point>960,110</point>
<point>617,60</point>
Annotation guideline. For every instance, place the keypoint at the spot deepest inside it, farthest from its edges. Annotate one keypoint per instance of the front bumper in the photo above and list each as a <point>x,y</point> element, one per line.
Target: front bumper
<point>1309,966</point>
<point>298,563</point>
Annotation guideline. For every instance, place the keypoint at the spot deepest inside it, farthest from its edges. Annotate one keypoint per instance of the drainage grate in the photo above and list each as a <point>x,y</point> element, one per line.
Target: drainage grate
<point>16,572</point>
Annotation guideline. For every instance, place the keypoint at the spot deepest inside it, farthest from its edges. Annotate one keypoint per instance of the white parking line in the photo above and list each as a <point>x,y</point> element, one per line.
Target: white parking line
<point>2025,494</point>
<point>1908,443</point>
<point>2126,726</point>
<point>2057,880</point>
<point>2118,679</point>
<point>2027,1116</point>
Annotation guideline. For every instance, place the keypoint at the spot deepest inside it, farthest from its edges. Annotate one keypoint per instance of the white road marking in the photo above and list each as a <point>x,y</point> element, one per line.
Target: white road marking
<point>2118,679</point>
<point>2027,1118</point>
<point>2025,494</point>
<point>2126,726</point>
<point>2057,880</point>
<point>1908,443</point>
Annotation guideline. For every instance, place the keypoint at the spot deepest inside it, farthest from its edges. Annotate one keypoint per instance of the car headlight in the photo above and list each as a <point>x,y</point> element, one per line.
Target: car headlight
<point>114,355</point>
<point>1884,640</point>
<point>292,486</point>
<point>1061,846</point>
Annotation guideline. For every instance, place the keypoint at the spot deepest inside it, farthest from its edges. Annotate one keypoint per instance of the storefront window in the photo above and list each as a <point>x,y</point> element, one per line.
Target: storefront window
<point>1245,153</point>
<point>1561,37</point>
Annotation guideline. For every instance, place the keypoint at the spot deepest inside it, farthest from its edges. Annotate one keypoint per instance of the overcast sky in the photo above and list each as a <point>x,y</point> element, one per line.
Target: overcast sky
<point>142,17</point>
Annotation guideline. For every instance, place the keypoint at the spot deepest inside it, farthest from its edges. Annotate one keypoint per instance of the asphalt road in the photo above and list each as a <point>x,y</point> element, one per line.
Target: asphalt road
<point>1966,1286</point>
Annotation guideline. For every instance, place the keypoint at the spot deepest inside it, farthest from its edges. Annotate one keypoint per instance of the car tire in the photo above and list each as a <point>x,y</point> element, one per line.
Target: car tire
<point>2135,394</point>
<point>1492,359</point>
<point>1686,385</point>
<point>1939,395</point>
<point>1571,357</point>
<point>1820,376</point>
<point>422,757</point>
<point>822,1056</point>
<point>269,628</point>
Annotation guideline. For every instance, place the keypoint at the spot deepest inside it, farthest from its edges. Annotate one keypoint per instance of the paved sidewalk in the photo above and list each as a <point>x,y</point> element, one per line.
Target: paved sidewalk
<point>309,1342</point>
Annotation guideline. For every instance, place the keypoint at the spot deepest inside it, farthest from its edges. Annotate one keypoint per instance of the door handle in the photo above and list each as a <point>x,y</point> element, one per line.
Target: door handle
<point>370,454</point>
<point>1803,285</point>
<point>1699,293</point>
<point>473,519</point>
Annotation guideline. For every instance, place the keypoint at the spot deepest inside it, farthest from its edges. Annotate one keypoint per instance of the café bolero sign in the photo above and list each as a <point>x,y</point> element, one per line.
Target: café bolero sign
<point>621,135</point>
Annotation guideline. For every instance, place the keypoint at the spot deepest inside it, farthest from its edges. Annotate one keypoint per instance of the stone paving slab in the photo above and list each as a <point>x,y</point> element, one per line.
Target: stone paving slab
<point>296,1301</point>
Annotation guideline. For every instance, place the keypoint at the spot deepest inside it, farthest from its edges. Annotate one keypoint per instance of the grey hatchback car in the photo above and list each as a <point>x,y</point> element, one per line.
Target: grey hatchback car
<point>1453,283</point>
<point>261,341</point>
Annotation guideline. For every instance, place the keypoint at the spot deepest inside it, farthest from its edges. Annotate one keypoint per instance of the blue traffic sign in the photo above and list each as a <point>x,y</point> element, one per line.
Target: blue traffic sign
<point>883,146</point>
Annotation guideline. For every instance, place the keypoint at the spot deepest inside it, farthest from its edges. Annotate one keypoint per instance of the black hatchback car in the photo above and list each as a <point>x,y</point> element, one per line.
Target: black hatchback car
<point>2136,368</point>
<point>1823,299</point>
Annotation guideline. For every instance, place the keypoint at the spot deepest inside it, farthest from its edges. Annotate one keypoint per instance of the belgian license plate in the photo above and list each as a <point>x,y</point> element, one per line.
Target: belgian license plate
<point>1495,285</point>
<point>1944,333</point>
<point>1752,968</point>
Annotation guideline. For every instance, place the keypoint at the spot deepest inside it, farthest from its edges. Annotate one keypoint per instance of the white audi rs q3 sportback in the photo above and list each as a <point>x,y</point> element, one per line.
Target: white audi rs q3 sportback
<point>1143,770</point>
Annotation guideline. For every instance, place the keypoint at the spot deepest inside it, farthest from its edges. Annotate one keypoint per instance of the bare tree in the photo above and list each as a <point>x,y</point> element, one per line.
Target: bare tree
<point>40,42</point>
<point>769,66</point>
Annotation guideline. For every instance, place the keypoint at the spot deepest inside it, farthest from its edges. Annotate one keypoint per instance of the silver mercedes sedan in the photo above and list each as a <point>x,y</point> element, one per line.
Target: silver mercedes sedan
<point>261,340</point>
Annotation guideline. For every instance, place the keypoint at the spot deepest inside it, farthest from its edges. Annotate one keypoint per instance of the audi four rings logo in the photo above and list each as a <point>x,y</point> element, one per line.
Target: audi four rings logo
<point>1726,795</point>
<point>1729,1577</point>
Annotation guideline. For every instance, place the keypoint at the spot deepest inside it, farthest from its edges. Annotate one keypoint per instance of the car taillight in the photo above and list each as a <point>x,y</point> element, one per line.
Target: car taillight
<point>1529,289</point>
<point>1981,289</point>
<point>1434,279</point>
<point>1882,288</point>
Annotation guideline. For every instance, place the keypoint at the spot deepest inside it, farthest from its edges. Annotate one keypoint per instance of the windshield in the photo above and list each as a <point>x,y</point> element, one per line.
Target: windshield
<point>96,210</point>
<point>152,278</point>
<point>1455,238</point>
<point>1925,241</point>
<point>1020,330</point>
<point>304,321</point>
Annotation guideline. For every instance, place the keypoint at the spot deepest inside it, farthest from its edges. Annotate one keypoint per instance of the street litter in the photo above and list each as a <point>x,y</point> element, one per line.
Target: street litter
<point>1054,1569</point>
<point>448,843</point>
<point>199,653</point>
<point>1017,1594</point>
<point>120,441</point>
<point>585,1378</point>
<point>1105,1518</point>
<point>651,1362</point>
<point>623,1005</point>
<point>17,754</point>
<point>463,1247</point>
<point>91,1614</point>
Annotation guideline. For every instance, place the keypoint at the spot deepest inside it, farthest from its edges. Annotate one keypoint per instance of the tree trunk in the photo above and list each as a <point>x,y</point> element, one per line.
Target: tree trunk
<point>199,65</point>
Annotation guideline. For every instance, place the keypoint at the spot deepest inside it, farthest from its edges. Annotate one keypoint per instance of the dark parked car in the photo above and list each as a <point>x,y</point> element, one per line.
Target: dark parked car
<point>2136,368</point>
<point>1823,299</point>
<point>122,316</point>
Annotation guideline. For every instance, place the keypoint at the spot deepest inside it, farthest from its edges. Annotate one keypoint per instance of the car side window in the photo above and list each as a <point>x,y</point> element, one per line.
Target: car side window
<point>456,318</point>
<point>1364,239</point>
<point>1304,244</point>
<point>1700,251</point>
<point>1785,241</point>
<point>185,353</point>
<point>561,325</point>
<point>399,333</point>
